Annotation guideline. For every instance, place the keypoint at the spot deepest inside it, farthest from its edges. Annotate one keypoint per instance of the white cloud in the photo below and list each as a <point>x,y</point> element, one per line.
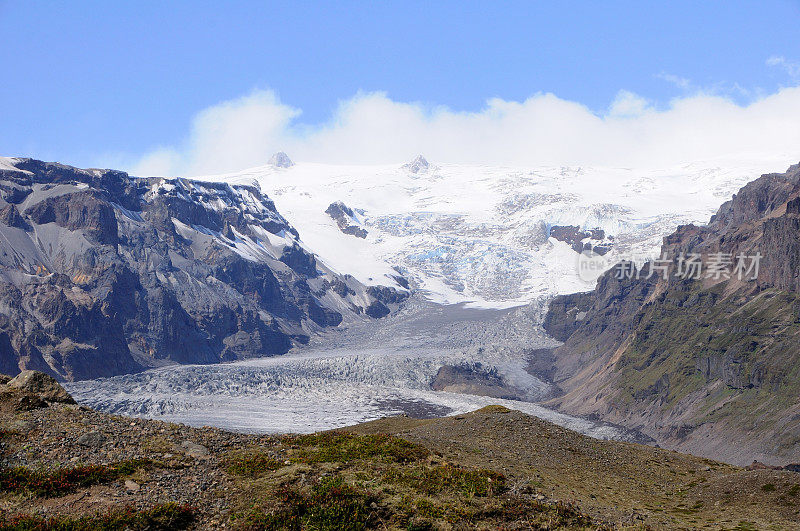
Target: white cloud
<point>790,67</point>
<point>233,134</point>
<point>680,82</point>
<point>628,104</point>
<point>542,130</point>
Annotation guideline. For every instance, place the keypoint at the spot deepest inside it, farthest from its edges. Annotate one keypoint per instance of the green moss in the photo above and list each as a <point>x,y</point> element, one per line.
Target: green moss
<point>434,480</point>
<point>426,508</point>
<point>60,481</point>
<point>166,517</point>
<point>336,446</point>
<point>331,504</point>
<point>251,463</point>
<point>419,524</point>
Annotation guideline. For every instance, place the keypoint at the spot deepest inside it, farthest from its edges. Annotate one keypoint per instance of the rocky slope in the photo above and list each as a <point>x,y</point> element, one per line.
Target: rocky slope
<point>64,466</point>
<point>709,362</point>
<point>102,273</point>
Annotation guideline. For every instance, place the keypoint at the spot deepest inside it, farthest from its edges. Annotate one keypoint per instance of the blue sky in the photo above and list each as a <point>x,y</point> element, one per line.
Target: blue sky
<point>95,82</point>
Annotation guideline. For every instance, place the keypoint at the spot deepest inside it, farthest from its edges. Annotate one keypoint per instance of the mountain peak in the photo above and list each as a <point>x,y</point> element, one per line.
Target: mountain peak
<point>418,165</point>
<point>281,160</point>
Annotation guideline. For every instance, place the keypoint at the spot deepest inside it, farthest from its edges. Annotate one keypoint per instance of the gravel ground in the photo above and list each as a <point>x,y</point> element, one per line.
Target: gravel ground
<point>188,461</point>
<point>619,483</point>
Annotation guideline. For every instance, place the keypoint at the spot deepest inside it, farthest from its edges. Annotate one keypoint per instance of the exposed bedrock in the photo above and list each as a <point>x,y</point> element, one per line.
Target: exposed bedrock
<point>103,274</point>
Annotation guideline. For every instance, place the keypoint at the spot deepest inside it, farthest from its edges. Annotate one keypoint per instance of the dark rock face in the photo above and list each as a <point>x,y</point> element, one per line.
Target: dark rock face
<point>9,215</point>
<point>384,298</point>
<point>103,274</point>
<point>387,295</point>
<point>300,261</point>
<point>566,314</point>
<point>401,281</point>
<point>79,210</point>
<point>697,362</point>
<point>345,219</point>
<point>575,237</point>
<point>475,380</point>
<point>377,309</point>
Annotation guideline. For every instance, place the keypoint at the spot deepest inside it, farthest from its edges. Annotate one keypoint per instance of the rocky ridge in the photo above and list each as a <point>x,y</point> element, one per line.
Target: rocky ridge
<point>102,273</point>
<point>281,160</point>
<point>582,240</point>
<point>418,165</point>
<point>345,219</point>
<point>697,362</point>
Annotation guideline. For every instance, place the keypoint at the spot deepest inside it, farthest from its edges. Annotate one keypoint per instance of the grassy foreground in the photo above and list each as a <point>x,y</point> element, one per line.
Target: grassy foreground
<point>489,469</point>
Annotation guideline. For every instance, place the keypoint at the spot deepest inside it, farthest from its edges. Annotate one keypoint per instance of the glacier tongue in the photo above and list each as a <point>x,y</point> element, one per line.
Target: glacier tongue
<point>359,373</point>
<point>304,393</point>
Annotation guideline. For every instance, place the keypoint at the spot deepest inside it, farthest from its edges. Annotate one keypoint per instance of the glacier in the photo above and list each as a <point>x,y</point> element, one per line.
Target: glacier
<point>358,373</point>
<point>478,234</point>
<point>310,391</point>
<point>473,240</point>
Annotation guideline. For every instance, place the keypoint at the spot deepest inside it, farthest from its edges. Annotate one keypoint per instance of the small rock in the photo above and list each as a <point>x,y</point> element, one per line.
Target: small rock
<point>92,439</point>
<point>193,449</point>
<point>21,426</point>
<point>131,485</point>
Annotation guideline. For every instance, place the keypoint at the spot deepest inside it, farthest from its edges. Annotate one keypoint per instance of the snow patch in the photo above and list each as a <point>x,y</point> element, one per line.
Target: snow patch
<point>9,164</point>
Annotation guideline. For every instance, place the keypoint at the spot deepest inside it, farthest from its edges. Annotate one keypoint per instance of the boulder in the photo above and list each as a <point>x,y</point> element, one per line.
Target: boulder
<point>42,385</point>
<point>193,449</point>
<point>92,439</point>
<point>29,402</point>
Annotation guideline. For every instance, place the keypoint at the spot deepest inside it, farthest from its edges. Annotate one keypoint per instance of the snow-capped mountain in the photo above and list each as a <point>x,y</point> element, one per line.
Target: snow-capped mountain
<point>102,273</point>
<point>481,234</point>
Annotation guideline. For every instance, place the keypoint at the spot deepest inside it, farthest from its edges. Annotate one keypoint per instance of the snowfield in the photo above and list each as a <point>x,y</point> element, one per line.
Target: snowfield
<point>479,234</point>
